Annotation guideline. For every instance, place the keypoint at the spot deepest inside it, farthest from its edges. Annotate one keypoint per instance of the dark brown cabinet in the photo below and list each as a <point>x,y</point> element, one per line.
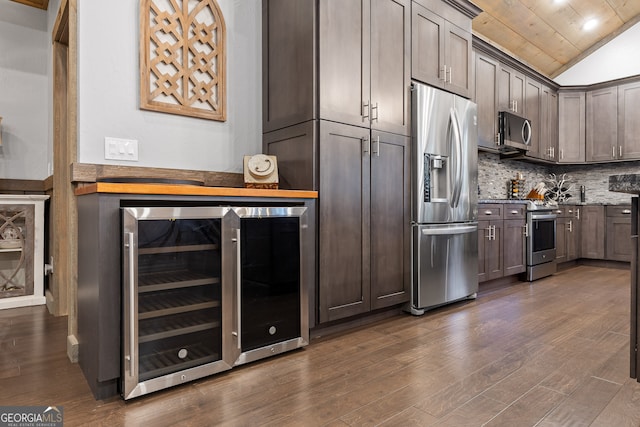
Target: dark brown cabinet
<point>514,235</point>
<point>363,217</point>
<point>548,143</point>
<point>628,123</point>
<point>486,97</point>
<point>602,125</point>
<point>340,60</point>
<point>441,49</point>
<point>567,233</point>
<point>571,127</point>
<point>511,90</point>
<point>593,235</point>
<point>532,110</point>
<point>618,245</point>
<point>501,240</point>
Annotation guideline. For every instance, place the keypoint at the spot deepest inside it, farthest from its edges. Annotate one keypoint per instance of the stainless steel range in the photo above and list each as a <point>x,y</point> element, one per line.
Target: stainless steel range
<point>541,239</point>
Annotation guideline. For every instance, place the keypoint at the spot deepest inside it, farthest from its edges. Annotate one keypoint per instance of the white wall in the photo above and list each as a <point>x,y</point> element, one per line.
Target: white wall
<point>617,59</point>
<point>24,85</point>
<point>108,87</point>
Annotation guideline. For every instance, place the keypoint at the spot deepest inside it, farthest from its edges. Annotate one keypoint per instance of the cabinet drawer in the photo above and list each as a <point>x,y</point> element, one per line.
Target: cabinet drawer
<point>619,211</point>
<point>489,211</point>
<point>514,211</point>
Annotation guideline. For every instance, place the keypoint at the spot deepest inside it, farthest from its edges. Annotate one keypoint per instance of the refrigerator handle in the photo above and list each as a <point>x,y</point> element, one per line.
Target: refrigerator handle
<point>457,187</point>
<point>450,230</point>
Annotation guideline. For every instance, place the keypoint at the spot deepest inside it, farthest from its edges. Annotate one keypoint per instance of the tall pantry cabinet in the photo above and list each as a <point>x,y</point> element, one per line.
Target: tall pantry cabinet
<point>336,96</point>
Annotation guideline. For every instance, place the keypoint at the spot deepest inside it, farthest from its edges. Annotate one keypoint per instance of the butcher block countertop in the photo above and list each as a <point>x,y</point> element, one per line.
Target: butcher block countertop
<point>189,190</point>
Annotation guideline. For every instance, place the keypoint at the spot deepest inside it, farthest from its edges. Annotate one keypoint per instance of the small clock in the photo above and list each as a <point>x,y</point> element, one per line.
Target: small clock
<point>260,171</point>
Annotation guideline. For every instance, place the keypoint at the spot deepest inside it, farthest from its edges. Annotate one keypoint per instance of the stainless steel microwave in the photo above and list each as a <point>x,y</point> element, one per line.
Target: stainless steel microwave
<point>514,132</point>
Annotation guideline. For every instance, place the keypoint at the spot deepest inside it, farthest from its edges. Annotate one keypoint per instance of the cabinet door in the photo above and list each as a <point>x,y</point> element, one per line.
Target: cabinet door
<point>514,246</point>
<point>561,239</point>
<point>343,262</point>
<point>602,124</point>
<point>483,244</point>
<point>593,237</point>
<point>486,97</point>
<point>511,91</point>
<point>344,61</point>
<point>495,252</point>
<point>390,218</point>
<point>618,239</point>
<point>533,97</point>
<point>548,125</point>
<point>427,45</point>
<point>571,127</point>
<point>457,48</point>
<point>628,123</point>
<point>390,65</point>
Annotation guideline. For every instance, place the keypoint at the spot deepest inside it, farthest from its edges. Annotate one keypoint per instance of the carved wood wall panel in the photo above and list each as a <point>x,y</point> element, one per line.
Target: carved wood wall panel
<point>182,58</point>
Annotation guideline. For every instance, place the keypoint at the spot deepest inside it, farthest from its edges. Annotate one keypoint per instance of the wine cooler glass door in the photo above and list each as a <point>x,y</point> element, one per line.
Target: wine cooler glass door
<point>174,299</point>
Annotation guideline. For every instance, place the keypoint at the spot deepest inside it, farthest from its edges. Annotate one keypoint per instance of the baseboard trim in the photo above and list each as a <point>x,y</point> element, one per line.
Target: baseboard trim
<point>72,348</point>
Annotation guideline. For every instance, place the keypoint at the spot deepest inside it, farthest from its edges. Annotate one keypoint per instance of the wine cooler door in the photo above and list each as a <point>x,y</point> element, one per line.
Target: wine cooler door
<point>273,312</point>
<point>178,300</point>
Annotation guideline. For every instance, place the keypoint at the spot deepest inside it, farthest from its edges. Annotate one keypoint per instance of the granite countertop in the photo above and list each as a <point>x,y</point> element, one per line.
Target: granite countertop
<point>507,201</point>
<point>629,183</point>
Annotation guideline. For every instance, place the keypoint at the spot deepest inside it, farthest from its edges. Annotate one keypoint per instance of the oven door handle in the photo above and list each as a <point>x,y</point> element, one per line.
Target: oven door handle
<point>537,216</point>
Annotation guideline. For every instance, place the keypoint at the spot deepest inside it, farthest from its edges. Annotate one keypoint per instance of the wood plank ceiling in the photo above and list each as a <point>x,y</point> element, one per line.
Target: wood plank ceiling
<point>547,34</point>
<point>40,4</point>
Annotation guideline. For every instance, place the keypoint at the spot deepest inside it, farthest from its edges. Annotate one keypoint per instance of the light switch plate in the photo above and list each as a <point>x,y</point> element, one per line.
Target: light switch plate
<point>120,149</point>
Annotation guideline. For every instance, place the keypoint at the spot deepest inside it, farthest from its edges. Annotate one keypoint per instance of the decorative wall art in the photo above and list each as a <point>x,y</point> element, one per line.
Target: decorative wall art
<point>182,58</point>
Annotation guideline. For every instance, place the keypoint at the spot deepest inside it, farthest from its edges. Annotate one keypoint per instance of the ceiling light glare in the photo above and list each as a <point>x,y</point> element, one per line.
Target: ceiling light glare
<point>559,1</point>
<point>590,24</point>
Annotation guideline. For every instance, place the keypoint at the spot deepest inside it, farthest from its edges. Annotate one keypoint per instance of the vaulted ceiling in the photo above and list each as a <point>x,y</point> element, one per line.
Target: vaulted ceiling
<point>548,35</point>
<point>40,4</point>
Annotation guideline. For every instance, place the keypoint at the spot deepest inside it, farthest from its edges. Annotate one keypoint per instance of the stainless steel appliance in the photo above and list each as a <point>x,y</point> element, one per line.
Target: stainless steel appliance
<point>444,198</point>
<point>208,288</point>
<point>541,240</point>
<point>514,133</point>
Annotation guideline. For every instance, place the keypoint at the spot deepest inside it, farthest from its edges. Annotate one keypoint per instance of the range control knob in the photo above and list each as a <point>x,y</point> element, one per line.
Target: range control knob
<point>272,330</point>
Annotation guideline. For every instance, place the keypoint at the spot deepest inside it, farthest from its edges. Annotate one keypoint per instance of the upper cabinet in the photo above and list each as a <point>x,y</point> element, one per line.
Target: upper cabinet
<point>511,90</point>
<point>548,143</point>
<point>602,125</point>
<point>571,127</point>
<point>360,74</point>
<point>486,97</point>
<point>628,123</point>
<point>531,111</point>
<point>441,47</point>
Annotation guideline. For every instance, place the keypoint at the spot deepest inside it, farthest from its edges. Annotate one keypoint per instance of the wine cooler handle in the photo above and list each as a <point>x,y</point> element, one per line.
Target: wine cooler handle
<point>239,288</point>
<point>132,307</point>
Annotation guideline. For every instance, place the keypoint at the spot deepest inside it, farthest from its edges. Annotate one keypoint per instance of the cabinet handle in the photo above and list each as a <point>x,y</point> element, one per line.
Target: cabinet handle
<point>376,110</point>
<point>492,232</point>
<point>553,152</point>
<point>514,212</point>
<point>443,72</point>
<point>620,151</point>
<point>238,332</point>
<point>376,146</point>
<point>450,75</point>
<point>366,147</point>
<point>365,105</point>
<point>132,307</point>
<point>558,211</point>
<point>488,212</point>
<point>613,151</point>
<point>570,226</point>
<point>570,211</point>
<point>626,211</point>
<point>578,214</point>
<point>561,154</point>
<point>526,229</point>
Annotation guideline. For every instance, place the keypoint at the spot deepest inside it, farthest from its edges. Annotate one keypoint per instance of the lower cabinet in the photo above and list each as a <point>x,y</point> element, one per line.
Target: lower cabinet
<point>618,244</point>
<point>568,233</point>
<point>501,240</point>
<point>364,238</point>
<point>593,235</point>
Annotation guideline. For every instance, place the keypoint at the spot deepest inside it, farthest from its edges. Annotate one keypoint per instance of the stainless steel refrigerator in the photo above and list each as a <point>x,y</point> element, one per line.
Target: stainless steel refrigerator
<point>444,198</point>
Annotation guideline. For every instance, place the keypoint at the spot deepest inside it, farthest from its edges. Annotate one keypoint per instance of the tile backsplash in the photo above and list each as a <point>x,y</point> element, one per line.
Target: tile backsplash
<point>494,173</point>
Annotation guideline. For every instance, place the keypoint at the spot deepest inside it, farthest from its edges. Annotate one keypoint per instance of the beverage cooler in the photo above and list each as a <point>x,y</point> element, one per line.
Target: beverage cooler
<point>207,288</point>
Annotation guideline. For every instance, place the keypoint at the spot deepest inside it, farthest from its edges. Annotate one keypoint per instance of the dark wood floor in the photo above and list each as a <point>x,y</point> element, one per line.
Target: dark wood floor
<point>551,353</point>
